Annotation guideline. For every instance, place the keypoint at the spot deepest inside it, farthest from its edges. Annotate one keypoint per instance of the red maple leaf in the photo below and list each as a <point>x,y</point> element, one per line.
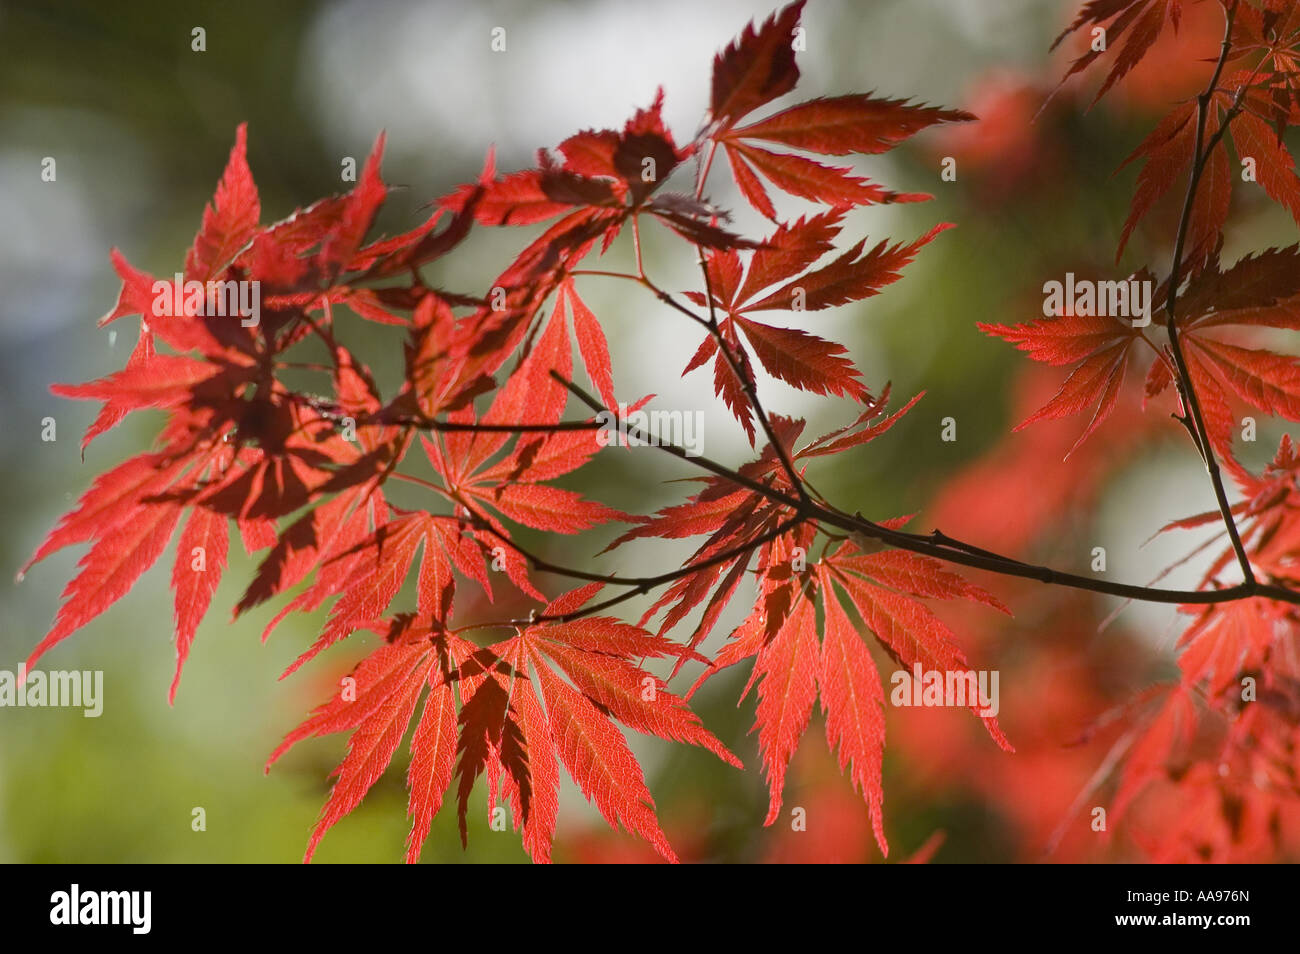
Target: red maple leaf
<point>508,728</point>
<point>799,358</point>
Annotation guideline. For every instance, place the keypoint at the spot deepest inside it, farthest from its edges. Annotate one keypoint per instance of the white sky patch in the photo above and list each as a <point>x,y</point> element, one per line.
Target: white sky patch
<point>54,246</point>
<point>424,69</point>
<point>1169,487</point>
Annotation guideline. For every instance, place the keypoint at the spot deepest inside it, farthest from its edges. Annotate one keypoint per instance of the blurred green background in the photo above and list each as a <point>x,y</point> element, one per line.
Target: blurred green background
<point>140,125</point>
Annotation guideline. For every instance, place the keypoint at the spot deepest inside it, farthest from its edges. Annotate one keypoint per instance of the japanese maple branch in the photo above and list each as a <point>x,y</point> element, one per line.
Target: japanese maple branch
<point>646,584</point>
<point>419,422</point>
<point>710,325</point>
<point>747,382</point>
<point>943,547</point>
<point>639,584</point>
<point>1202,154</point>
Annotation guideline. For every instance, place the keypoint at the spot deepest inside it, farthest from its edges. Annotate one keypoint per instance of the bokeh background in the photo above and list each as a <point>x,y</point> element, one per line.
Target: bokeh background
<point>140,125</point>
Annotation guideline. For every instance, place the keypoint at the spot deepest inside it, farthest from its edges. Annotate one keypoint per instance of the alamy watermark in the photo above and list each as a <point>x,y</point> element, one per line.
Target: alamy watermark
<point>222,299</point>
<point>624,428</point>
<point>75,906</point>
<point>77,689</point>
<point>935,687</point>
<point>1085,298</point>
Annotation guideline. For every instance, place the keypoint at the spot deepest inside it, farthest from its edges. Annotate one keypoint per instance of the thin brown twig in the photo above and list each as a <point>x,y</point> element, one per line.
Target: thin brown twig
<point>1202,154</point>
<point>947,548</point>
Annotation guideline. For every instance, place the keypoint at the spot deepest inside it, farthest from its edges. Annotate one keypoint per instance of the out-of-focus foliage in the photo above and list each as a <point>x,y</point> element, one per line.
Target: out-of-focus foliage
<point>139,124</point>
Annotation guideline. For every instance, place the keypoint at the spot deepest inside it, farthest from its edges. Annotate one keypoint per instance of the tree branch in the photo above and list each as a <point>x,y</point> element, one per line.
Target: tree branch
<point>1185,385</point>
<point>943,547</point>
